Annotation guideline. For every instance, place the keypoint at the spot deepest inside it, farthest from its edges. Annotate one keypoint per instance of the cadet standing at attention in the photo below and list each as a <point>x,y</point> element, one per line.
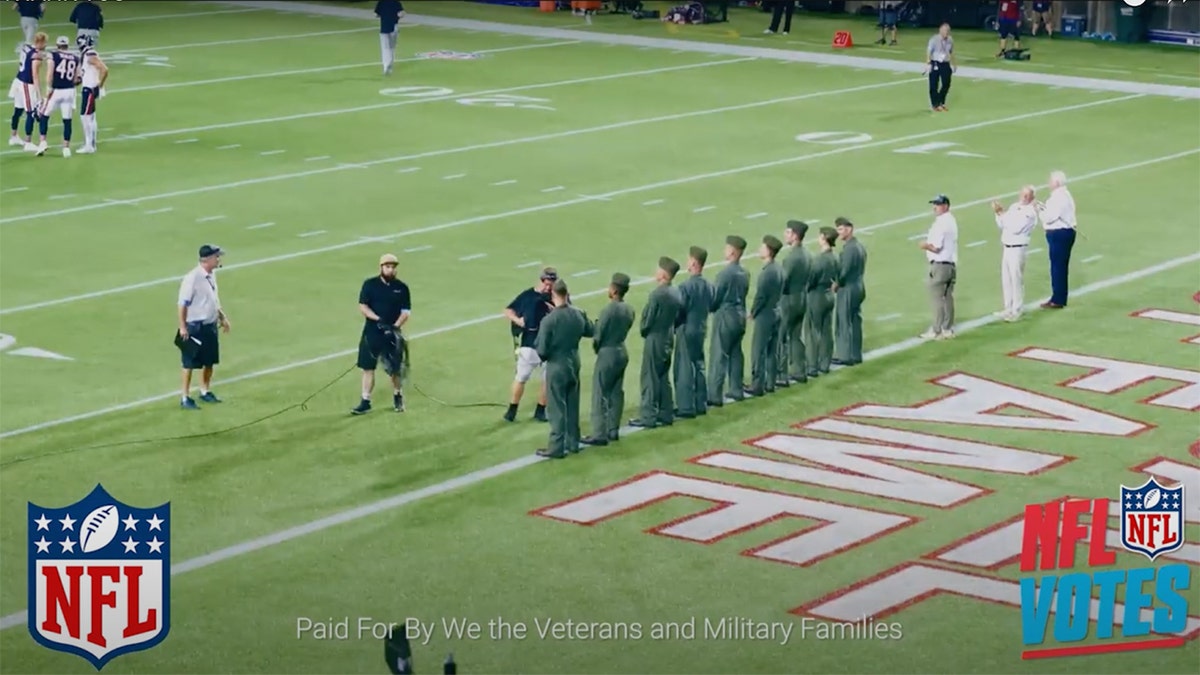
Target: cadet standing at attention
<point>608,378</point>
<point>764,312</point>
<point>820,304</point>
<point>558,348</point>
<point>792,306</point>
<point>851,291</point>
<point>658,329</point>
<point>729,325</point>
<point>691,390</point>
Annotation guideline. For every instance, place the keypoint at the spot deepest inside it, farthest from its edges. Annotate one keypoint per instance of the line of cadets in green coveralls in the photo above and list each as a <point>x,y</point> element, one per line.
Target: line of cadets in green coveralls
<point>798,300</point>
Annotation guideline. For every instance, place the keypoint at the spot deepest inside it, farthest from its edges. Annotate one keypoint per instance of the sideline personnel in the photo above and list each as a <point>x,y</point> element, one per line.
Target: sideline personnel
<point>608,378</point>
<point>88,20</point>
<point>851,290</point>
<point>792,306</point>
<point>385,302</point>
<point>30,12</point>
<point>1058,219</point>
<point>941,250</point>
<point>939,58</point>
<point>389,12</point>
<point>691,390</point>
<point>558,347</point>
<point>726,359</point>
<point>658,330</point>
<point>199,315</point>
<point>526,312</point>
<point>1015,225</point>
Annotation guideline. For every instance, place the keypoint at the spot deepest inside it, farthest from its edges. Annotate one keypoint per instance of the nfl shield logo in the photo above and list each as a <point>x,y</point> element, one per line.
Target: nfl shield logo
<point>1152,519</point>
<point>99,577</point>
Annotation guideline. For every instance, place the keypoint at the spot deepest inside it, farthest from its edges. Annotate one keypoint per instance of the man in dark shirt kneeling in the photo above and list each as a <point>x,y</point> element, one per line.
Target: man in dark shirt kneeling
<point>385,303</point>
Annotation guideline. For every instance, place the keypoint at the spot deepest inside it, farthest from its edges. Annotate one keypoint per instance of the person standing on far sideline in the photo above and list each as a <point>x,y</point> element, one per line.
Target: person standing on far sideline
<point>1058,219</point>
<point>1015,225</point>
<point>781,10</point>
<point>88,20</point>
<point>941,250</point>
<point>939,57</point>
<point>389,12</point>
<point>30,12</point>
<point>199,315</point>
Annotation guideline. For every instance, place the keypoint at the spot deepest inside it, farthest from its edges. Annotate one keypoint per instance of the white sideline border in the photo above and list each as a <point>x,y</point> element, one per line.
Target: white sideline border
<point>473,322</point>
<point>569,202</point>
<point>465,480</point>
<point>863,62</point>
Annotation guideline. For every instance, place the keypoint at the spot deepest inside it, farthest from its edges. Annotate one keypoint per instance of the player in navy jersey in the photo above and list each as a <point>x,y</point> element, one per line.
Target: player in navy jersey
<point>26,91</point>
<point>63,75</point>
<point>95,74</point>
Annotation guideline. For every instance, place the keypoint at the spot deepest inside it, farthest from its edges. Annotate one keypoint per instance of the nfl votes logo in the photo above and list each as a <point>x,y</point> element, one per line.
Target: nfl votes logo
<point>1152,519</point>
<point>99,577</point>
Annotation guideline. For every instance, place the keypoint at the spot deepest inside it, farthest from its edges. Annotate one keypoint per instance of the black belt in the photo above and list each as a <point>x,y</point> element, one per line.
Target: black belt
<point>940,262</point>
<point>1015,245</point>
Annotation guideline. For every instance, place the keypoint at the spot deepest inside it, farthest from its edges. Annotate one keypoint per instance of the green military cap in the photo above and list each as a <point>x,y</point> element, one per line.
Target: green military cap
<point>698,254</point>
<point>798,226</point>
<point>668,265</point>
<point>736,242</point>
<point>773,243</point>
<point>843,222</point>
<point>621,281</point>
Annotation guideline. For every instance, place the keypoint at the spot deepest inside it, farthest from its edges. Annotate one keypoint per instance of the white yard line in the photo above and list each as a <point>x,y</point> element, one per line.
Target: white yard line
<point>260,226</point>
<point>510,181</point>
<point>1091,259</point>
<point>1035,250</point>
<point>223,147</point>
<point>976,243</point>
<point>531,263</point>
<point>61,197</point>
<point>409,169</point>
<point>528,139</point>
<point>917,236</point>
<point>187,140</point>
<point>653,202</point>
<point>702,209</point>
<point>418,249</point>
<point>149,17</point>
<point>316,159</point>
<point>889,317</point>
<point>473,256</point>
<point>13,189</point>
<point>266,153</point>
<point>209,219</point>
<point>556,188</point>
<point>454,176</point>
<point>155,212</point>
<point>760,214</point>
<point>396,501</point>
<point>314,233</point>
<point>546,207</point>
<point>585,273</point>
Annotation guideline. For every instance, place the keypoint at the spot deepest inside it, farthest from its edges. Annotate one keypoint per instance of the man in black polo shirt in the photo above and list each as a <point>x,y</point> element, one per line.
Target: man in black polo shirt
<point>526,312</point>
<point>385,303</point>
<point>389,12</point>
<point>30,12</point>
<point>88,20</point>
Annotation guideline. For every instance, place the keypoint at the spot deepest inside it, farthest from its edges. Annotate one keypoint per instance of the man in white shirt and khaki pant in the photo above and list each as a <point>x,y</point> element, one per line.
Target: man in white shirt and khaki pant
<point>941,251</point>
<point>1058,219</point>
<point>199,316</point>
<point>1016,225</point>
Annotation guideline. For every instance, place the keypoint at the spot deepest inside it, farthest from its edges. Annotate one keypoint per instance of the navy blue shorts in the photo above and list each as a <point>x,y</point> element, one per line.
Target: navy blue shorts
<point>208,353</point>
<point>1009,29</point>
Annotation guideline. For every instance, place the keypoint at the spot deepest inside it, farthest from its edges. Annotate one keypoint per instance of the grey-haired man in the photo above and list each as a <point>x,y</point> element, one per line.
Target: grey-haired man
<point>200,314</point>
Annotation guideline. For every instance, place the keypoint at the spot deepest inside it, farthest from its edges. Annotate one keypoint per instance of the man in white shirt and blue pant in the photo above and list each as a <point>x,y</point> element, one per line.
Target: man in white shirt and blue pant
<point>1016,225</point>
<point>1058,219</point>
<point>200,314</point>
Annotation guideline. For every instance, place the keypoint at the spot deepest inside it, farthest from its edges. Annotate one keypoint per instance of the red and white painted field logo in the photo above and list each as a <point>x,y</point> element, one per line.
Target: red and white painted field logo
<point>99,577</point>
<point>1152,519</point>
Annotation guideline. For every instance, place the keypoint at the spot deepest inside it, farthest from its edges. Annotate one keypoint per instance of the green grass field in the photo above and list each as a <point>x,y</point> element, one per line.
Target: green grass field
<point>275,135</point>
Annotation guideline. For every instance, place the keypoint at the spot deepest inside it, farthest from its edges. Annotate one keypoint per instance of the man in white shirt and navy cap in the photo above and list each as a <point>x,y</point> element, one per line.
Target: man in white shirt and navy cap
<point>1016,224</point>
<point>1058,219</point>
<point>200,314</point>
<point>941,251</point>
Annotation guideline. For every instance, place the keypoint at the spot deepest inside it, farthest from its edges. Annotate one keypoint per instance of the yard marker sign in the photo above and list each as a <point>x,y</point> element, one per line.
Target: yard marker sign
<point>1152,518</point>
<point>99,577</point>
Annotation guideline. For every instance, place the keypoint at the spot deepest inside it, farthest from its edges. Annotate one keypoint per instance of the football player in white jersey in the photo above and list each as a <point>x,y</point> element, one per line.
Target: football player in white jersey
<point>95,74</point>
<point>26,89</point>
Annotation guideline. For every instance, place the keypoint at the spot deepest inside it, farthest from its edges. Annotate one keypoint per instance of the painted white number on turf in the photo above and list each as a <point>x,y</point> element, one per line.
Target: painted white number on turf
<point>834,137</point>
<point>7,341</point>
<point>416,92</point>
<point>138,59</point>
<point>937,146</point>
<point>508,101</point>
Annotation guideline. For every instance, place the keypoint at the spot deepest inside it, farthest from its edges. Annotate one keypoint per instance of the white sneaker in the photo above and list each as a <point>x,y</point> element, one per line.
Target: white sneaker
<point>86,150</point>
<point>1012,317</point>
<point>42,148</point>
<point>30,147</point>
<point>946,335</point>
<point>66,152</point>
<point>15,140</point>
<point>928,335</point>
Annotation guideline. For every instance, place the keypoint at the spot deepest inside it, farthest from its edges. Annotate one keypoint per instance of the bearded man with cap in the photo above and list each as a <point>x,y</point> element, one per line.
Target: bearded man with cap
<point>851,292</point>
<point>657,328</point>
<point>525,313</point>
<point>385,304</point>
<point>764,312</point>
<point>729,325</point>
<point>691,390</point>
<point>199,314</point>
<point>558,347</point>
<point>819,317</point>
<point>608,377</point>
<point>792,306</point>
